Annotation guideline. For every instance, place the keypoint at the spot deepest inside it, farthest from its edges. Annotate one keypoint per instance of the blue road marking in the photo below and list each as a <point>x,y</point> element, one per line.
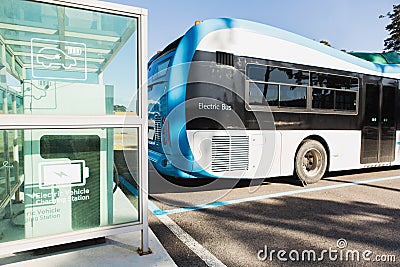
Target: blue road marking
<point>159,212</point>
<point>128,186</point>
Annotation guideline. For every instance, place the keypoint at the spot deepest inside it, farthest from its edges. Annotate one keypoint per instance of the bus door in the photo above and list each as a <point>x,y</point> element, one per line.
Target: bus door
<point>378,132</point>
<point>388,123</point>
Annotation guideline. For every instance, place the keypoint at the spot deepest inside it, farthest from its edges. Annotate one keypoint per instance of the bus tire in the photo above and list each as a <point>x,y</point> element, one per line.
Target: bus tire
<point>311,161</point>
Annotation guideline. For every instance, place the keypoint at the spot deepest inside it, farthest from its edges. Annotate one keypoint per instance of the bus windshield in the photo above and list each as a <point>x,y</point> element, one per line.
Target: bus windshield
<point>157,86</point>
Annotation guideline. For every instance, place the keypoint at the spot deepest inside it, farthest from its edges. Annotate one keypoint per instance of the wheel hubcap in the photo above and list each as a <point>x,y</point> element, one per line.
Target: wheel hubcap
<point>312,162</point>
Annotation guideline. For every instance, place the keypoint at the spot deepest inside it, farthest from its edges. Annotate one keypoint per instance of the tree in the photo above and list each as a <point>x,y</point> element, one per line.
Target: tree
<point>325,42</point>
<point>120,108</point>
<point>392,43</point>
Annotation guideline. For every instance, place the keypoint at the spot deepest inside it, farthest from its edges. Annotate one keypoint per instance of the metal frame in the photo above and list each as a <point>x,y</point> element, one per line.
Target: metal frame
<point>138,121</point>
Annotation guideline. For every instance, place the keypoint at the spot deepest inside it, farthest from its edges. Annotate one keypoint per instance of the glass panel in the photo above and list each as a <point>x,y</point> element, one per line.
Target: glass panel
<point>333,81</point>
<point>162,68</point>
<point>56,181</point>
<point>322,99</point>
<point>126,166</point>
<point>11,179</point>
<point>121,75</point>
<point>354,84</point>
<point>86,60</point>
<point>9,58</point>
<point>260,92</point>
<point>19,104</point>
<point>2,94</point>
<point>277,75</point>
<point>345,100</point>
<point>10,94</point>
<point>292,96</point>
<point>10,103</point>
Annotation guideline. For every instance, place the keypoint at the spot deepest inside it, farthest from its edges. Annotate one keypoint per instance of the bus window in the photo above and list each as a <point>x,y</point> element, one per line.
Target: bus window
<point>323,99</point>
<point>324,80</point>
<point>345,100</point>
<point>162,67</point>
<point>261,92</point>
<point>292,96</point>
<point>277,74</point>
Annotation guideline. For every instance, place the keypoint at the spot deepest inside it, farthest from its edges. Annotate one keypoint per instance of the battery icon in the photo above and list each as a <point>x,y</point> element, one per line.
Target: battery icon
<point>65,173</point>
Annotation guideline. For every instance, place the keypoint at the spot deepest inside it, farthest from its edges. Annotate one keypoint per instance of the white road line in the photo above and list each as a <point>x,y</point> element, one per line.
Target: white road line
<point>192,244</point>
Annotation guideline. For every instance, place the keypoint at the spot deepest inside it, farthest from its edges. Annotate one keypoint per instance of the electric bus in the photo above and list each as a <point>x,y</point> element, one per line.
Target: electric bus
<point>237,99</point>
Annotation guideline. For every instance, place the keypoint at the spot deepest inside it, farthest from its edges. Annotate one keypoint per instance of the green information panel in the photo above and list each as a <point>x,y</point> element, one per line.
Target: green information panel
<point>62,180</point>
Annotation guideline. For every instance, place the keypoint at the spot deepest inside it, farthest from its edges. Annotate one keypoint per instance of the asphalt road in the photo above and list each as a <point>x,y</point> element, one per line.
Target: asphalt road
<point>347,219</point>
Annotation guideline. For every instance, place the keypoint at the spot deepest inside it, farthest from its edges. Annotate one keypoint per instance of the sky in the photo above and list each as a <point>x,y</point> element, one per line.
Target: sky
<point>353,25</point>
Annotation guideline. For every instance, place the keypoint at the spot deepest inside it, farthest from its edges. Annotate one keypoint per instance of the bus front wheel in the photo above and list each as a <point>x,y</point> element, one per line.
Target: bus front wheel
<point>310,161</point>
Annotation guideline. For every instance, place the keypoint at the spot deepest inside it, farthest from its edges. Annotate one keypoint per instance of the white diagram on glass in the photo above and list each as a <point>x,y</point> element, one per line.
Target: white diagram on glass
<point>61,60</point>
<point>62,173</point>
<point>51,56</point>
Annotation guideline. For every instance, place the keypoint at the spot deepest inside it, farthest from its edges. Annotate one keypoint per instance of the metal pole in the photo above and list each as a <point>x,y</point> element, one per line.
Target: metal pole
<point>144,194</point>
<point>143,189</point>
<point>143,138</point>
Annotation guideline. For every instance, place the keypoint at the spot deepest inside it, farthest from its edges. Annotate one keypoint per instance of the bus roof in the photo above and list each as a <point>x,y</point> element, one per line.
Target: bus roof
<point>169,47</point>
<point>204,36</point>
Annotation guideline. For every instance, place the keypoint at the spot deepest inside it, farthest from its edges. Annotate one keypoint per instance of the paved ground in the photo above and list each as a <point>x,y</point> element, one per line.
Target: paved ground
<point>117,251</point>
<point>349,218</point>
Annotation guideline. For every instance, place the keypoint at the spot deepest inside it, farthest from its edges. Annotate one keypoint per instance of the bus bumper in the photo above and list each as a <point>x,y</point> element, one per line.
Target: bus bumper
<point>163,164</point>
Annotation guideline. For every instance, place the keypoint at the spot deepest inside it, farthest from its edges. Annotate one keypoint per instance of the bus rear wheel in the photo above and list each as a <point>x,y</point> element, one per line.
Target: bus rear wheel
<point>310,161</point>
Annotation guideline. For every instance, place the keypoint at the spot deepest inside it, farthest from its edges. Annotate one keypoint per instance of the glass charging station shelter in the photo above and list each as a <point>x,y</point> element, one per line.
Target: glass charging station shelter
<point>73,135</point>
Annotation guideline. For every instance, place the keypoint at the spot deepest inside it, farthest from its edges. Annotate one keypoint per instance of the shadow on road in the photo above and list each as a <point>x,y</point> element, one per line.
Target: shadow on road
<point>291,223</point>
<point>159,184</point>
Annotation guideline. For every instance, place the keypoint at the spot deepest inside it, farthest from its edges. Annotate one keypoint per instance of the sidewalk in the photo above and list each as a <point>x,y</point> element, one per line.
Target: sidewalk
<point>119,250</point>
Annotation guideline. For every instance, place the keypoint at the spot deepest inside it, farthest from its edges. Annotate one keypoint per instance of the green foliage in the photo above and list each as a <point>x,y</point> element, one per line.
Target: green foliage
<point>325,42</point>
<point>119,108</point>
<point>392,43</point>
